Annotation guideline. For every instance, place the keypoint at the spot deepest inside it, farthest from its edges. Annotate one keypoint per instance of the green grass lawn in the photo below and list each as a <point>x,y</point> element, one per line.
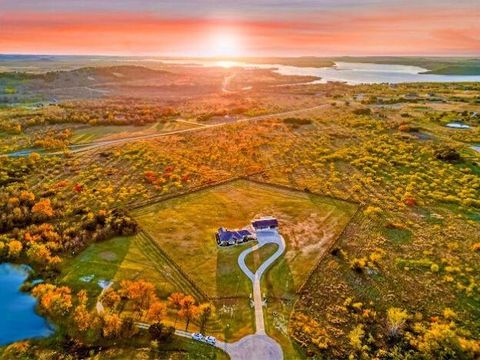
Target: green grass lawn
<point>184,228</point>
<point>100,261</point>
<point>258,257</point>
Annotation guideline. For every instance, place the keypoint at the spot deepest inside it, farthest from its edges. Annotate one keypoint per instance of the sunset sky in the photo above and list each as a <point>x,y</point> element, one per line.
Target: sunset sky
<point>237,27</point>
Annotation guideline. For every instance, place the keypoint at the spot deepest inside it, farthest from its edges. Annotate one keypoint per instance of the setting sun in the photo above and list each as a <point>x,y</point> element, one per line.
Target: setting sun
<point>225,44</point>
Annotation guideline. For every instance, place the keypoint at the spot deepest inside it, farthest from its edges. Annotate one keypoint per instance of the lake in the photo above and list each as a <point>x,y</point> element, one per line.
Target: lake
<point>19,320</point>
<point>351,73</point>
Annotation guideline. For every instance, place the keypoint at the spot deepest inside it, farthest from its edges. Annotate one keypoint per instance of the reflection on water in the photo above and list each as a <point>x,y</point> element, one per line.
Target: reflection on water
<point>351,73</point>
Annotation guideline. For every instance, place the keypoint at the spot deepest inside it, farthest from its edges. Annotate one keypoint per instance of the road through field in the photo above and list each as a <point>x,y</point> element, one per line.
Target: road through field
<point>106,143</point>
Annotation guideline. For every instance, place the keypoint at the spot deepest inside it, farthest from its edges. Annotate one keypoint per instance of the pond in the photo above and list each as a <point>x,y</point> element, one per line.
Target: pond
<point>19,320</point>
<point>457,125</point>
<point>25,152</point>
<point>349,72</point>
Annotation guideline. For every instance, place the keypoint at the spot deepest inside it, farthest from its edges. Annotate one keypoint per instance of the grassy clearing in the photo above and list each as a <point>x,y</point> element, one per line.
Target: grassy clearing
<point>100,261</point>
<point>184,228</point>
<point>398,236</point>
<point>106,132</point>
<point>144,262</point>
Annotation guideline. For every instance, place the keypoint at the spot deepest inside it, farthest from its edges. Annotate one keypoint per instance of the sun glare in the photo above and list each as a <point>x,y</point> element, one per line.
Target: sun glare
<point>225,44</point>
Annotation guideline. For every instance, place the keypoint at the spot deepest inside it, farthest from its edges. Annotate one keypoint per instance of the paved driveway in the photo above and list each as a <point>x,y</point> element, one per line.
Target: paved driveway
<point>258,346</point>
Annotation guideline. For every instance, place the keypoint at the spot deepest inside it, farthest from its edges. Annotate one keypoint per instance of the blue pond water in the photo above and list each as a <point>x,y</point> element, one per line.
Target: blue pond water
<point>18,319</point>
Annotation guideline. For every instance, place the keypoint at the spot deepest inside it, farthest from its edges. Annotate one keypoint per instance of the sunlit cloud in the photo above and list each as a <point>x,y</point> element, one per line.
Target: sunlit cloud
<point>343,28</point>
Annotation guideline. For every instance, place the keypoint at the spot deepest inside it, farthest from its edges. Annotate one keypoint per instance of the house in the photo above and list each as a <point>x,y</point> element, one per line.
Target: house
<point>264,223</point>
<point>227,237</point>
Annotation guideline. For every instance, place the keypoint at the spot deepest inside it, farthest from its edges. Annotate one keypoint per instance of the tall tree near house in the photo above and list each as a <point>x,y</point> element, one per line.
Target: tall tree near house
<point>175,300</point>
<point>188,310</point>
<point>205,312</point>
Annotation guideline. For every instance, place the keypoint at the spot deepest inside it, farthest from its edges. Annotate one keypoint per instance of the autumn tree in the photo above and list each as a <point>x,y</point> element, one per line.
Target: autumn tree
<point>27,197</point>
<point>205,312</point>
<point>82,318</point>
<point>56,301</point>
<point>140,292</point>
<point>43,209</point>
<point>110,298</point>
<point>112,325</point>
<point>156,311</point>
<point>175,301</point>
<point>188,310</point>
<point>14,248</point>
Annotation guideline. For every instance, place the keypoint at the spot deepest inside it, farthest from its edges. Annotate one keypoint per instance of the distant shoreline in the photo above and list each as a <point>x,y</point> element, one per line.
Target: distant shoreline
<point>435,65</point>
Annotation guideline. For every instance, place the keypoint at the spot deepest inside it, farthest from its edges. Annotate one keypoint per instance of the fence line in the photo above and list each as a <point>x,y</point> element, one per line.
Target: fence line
<point>327,249</point>
<point>192,190</point>
<point>303,191</point>
<point>176,266</point>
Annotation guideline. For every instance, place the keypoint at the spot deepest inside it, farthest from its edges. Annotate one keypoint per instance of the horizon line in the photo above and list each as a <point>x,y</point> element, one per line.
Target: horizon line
<point>240,56</point>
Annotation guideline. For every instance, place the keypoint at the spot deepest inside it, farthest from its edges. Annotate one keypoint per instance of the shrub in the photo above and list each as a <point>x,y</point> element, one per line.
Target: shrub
<point>447,154</point>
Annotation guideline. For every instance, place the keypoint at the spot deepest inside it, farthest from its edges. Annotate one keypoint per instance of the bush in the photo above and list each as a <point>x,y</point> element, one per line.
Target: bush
<point>362,111</point>
<point>447,154</point>
<point>297,121</point>
<point>159,332</point>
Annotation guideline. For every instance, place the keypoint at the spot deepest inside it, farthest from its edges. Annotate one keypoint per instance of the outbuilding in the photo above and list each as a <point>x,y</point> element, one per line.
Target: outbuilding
<point>265,223</point>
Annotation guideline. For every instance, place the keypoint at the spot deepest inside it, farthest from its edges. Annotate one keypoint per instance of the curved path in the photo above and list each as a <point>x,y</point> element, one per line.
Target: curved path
<point>264,237</point>
<point>258,346</point>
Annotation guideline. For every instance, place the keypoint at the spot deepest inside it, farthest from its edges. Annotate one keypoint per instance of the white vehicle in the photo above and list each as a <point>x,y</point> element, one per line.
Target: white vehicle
<point>197,336</point>
<point>210,340</point>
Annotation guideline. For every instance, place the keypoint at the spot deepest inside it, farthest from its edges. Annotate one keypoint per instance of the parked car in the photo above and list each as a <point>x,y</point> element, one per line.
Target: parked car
<point>210,340</point>
<point>197,336</point>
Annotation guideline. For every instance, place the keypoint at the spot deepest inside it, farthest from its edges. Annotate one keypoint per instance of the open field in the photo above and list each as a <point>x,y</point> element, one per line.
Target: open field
<point>110,132</point>
<point>100,262</point>
<point>308,223</point>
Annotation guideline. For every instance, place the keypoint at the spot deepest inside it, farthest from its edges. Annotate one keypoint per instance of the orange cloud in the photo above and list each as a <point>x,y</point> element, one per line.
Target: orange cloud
<point>383,32</point>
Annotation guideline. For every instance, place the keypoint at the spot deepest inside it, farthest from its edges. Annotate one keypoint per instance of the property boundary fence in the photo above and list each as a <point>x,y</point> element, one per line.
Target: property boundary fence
<point>303,191</point>
<point>160,198</point>
<point>172,263</point>
<point>248,177</point>
<point>326,251</point>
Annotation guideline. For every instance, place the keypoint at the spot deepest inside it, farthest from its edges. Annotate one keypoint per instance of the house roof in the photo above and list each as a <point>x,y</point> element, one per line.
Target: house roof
<point>265,222</point>
<point>227,235</point>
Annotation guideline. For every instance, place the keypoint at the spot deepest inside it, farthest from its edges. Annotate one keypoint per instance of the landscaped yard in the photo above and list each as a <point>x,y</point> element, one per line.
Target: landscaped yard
<point>258,257</point>
<point>184,229</point>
